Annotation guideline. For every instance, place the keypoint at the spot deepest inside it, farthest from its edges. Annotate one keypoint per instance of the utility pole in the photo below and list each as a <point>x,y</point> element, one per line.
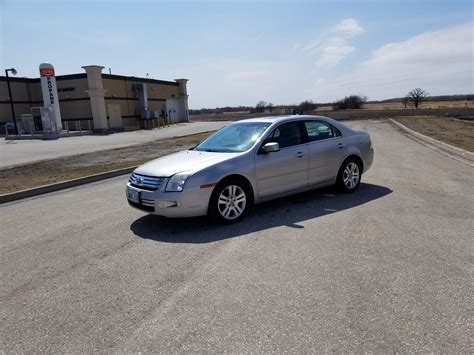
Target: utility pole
<point>11,98</point>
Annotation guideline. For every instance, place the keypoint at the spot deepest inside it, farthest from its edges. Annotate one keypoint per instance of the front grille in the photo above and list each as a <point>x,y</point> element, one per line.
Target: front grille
<point>142,206</point>
<point>144,182</point>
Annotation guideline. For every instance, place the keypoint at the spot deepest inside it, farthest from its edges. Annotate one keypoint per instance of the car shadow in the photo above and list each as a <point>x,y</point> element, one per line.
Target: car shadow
<point>287,211</point>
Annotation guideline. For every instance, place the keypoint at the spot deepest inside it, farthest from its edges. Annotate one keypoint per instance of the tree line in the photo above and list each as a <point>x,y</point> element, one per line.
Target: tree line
<point>415,97</point>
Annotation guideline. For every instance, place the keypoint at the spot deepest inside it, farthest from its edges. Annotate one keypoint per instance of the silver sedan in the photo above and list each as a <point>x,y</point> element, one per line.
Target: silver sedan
<point>252,161</point>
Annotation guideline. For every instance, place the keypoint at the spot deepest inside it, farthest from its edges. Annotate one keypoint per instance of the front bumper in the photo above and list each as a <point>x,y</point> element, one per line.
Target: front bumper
<point>190,202</point>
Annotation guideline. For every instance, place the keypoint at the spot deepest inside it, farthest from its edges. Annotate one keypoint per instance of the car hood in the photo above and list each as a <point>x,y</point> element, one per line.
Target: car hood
<point>188,160</point>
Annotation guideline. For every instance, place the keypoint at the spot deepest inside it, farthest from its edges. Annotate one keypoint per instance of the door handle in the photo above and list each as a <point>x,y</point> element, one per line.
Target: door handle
<point>299,155</point>
<point>341,145</point>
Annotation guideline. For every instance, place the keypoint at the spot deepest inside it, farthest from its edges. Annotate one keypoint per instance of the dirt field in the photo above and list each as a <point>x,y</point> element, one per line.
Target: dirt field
<point>452,131</point>
<point>461,113</point>
<point>55,170</point>
<point>399,105</point>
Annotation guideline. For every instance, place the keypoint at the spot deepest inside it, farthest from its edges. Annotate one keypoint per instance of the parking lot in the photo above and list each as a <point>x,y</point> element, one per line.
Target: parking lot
<point>388,268</point>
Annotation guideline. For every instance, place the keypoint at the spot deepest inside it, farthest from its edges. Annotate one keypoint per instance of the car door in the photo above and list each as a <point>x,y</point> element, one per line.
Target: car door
<point>326,150</point>
<point>287,169</point>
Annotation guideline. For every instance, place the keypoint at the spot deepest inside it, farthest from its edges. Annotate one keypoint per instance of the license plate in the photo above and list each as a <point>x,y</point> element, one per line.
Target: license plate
<point>133,195</point>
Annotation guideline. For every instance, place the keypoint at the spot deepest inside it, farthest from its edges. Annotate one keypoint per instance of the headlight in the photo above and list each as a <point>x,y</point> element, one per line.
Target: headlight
<point>177,181</point>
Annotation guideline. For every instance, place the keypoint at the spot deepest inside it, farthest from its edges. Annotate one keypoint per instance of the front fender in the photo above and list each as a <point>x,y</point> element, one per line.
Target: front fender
<point>242,165</point>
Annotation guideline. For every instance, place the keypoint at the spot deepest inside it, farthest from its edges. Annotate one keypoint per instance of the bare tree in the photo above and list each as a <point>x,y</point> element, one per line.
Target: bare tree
<point>270,106</point>
<point>260,107</point>
<point>405,101</point>
<point>307,105</point>
<point>417,96</point>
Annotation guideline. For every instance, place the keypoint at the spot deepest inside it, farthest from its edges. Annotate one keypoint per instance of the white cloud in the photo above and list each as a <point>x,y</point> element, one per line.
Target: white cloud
<point>332,47</point>
<point>349,27</point>
<point>440,62</point>
<point>333,51</point>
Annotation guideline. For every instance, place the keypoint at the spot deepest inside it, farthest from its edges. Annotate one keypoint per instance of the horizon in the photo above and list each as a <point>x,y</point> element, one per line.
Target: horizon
<point>328,103</point>
<point>237,53</point>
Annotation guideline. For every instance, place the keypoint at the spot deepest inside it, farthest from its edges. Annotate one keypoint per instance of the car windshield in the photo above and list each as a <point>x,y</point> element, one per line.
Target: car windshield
<point>237,137</point>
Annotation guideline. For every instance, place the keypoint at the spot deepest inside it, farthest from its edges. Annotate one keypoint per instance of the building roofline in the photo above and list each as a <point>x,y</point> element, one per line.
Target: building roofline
<point>37,80</point>
<point>84,75</point>
<point>136,78</point>
<point>71,76</point>
<point>21,80</point>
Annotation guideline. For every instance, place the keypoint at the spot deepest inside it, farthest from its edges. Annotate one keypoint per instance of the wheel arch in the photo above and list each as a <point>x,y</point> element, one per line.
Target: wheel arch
<point>231,177</point>
<point>242,178</point>
<point>353,157</point>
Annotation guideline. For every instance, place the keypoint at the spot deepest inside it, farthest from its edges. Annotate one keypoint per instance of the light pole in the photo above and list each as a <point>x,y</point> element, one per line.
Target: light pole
<point>13,70</point>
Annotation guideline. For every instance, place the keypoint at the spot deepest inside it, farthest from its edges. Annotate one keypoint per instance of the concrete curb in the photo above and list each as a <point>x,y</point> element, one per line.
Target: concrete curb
<point>464,155</point>
<point>63,185</point>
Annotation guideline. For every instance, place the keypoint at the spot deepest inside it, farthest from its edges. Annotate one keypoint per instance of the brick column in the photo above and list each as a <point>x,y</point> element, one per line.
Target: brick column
<point>183,100</point>
<point>97,93</point>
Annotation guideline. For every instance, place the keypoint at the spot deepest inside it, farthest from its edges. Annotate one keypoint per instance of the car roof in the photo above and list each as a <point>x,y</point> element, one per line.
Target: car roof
<point>274,119</point>
<point>288,118</point>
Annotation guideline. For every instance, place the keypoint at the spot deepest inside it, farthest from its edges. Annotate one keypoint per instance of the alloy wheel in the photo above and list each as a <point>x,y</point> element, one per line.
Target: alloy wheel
<point>351,175</point>
<point>231,202</point>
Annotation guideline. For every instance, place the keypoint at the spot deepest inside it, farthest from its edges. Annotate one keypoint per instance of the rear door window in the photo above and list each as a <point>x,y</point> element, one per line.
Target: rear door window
<point>319,130</point>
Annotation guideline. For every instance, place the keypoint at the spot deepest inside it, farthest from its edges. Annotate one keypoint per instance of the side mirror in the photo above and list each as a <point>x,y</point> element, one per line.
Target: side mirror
<point>271,147</point>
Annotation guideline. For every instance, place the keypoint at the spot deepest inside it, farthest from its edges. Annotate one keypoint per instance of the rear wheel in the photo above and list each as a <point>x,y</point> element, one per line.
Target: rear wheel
<point>349,176</point>
<point>230,201</point>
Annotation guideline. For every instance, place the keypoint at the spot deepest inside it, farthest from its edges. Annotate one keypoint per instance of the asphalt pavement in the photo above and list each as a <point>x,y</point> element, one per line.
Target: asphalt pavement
<point>386,269</point>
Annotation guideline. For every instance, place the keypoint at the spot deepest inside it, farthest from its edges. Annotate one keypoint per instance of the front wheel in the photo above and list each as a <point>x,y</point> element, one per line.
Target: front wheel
<point>229,202</point>
<point>348,179</point>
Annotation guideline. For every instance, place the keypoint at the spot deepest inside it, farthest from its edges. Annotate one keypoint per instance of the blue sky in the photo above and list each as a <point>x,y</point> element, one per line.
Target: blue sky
<point>241,52</point>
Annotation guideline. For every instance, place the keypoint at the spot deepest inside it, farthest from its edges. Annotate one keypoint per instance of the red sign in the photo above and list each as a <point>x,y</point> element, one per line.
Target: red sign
<point>46,72</point>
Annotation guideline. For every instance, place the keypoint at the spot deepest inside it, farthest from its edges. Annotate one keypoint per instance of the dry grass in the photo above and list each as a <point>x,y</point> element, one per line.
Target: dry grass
<point>432,105</point>
<point>61,169</point>
<point>449,130</point>
<point>462,113</point>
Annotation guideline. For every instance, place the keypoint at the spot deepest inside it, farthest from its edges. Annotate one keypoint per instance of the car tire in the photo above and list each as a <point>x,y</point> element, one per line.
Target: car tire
<point>230,201</point>
<point>350,173</point>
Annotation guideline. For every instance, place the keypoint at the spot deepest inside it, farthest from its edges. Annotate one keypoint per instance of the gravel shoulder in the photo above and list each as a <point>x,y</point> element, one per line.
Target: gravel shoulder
<point>61,169</point>
<point>459,133</point>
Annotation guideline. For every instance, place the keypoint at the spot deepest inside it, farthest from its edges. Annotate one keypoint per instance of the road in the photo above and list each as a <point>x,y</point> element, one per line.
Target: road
<point>20,152</point>
<point>386,269</point>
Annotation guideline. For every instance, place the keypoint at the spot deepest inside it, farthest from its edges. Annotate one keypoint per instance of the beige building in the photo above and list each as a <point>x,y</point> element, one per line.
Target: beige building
<point>101,101</point>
